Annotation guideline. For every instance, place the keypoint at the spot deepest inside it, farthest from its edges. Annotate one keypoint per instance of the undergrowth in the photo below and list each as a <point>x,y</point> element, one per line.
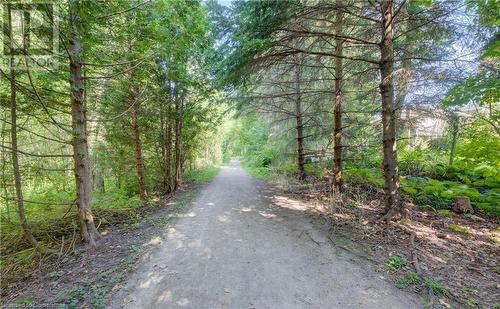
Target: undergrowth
<point>411,279</point>
<point>58,228</point>
<point>202,175</point>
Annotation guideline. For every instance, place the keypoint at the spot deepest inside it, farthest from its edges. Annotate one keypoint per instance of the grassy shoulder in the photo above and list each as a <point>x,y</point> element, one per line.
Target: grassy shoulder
<point>202,175</point>
<point>261,172</point>
<point>54,225</point>
<point>90,285</point>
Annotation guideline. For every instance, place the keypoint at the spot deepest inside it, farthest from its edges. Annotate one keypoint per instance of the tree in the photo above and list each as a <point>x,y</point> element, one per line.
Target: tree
<point>393,201</point>
<point>79,124</point>
<point>337,109</point>
<point>15,159</point>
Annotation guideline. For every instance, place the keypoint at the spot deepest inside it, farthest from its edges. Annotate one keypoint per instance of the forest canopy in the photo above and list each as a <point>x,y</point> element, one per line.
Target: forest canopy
<point>108,107</point>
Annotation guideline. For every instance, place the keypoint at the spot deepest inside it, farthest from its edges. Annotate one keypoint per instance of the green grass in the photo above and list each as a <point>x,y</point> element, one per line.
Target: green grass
<point>458,228</point>
<point>473,217</point>
<point>446,212</point>
<point>409,279</point>
<point>264,173</point>
<point>412,279</point>
<point>396,262</point>
<point>201,175</point>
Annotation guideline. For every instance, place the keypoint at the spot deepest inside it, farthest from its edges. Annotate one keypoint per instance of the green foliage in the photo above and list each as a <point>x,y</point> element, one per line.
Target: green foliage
<point>315,169</point>
<point>55,274</point>
<point>412,279</point>
<point>396,262</point>
<point>472,302</point>
<point>365,176</point>
<point>478,147</point>
<point>409,279</point>
<point>481,88</point>
<point>27,301</point>
<point>264,157</point>
<point>474,217</point>
<point>413,162</point>
<point>435,286</point>
<point>116,198</point>
<point>76,295</point>
<point>487,10</point>
<point>201,175</point>
<point>458,228</point>
<point>255,22</point>
<point>441,194</point>
<point>265,173</point>
<point>446,212</point>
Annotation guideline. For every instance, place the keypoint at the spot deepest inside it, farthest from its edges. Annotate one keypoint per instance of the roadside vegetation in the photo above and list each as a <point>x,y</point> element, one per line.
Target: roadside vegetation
<point>382,122</point>
<point>202,175</point>
<point>385,111</point>
<point>130,115</point>
<point>427,178</point>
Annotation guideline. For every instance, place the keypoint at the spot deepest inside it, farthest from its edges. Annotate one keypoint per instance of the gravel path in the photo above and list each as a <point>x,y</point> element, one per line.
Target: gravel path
<point>234,249</point>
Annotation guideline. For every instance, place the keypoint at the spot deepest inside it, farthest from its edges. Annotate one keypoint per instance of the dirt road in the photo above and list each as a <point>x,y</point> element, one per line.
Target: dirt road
<point>233,248</point>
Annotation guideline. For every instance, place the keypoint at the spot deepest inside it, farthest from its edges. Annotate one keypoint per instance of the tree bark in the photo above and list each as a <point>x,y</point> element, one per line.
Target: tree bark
<point>299,122</point>
<point>97,174</point>
<point>5,181</point>
<point>178,137</point>
<point>454,136</point>
<point>15,160</point>
<point>393,203</point>
<point>337,110</point>
<point>79,126</point>
<point>139,159</point>
<point>168,141</point>
<point>136,134</point>
<point>163,146</point>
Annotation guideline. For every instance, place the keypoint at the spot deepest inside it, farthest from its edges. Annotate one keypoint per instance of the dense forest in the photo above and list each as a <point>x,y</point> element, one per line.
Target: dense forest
<point>343,101</point>
<point>420,102</point>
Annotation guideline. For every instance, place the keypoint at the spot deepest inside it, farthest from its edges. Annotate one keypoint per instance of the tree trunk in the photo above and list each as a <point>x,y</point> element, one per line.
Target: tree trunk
<point>163,147</point>
<point>454,136</point>
<point>5,181</point>
<point>136,134</point>
<point>97,174</point>
<point>178,138</point>
<point>337,110</point>
<point>393,203</point>
<point>139,160</point>
<point>299,122</point>
<point>168,141</point>
<point>79,123</point>
<point>15,162</point>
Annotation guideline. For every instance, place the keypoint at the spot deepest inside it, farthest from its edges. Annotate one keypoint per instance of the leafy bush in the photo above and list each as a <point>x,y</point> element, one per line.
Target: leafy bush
<point>265,156</point>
